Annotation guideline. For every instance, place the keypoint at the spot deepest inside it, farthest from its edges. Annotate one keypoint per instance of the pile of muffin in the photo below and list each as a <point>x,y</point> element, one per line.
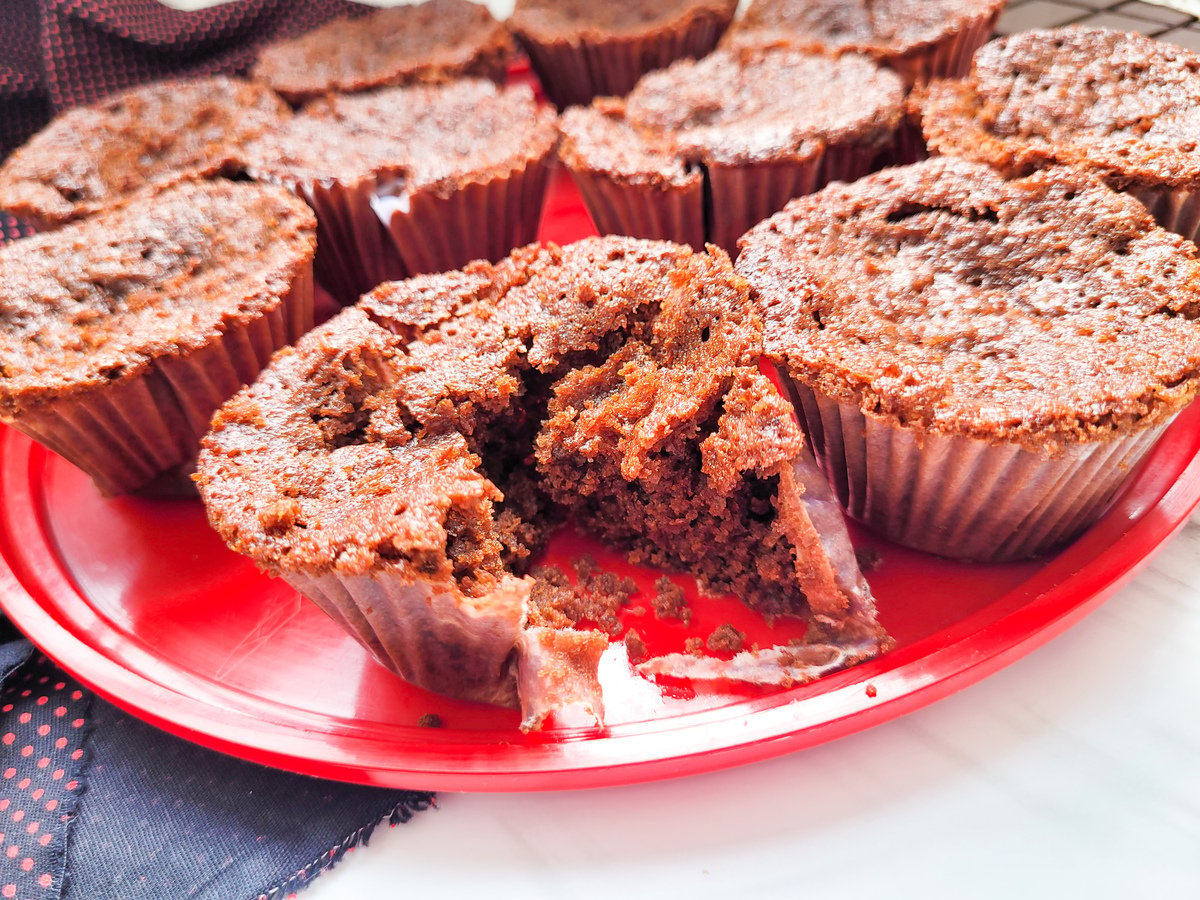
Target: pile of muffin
<point>969,352</point>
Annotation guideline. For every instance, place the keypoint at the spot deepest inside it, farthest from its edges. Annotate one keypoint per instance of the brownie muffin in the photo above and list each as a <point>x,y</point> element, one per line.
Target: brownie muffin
<point>434,41</point>
<point>401,465</point>
<point>413,179</point>
<point>581,50</point>
<point>92,156</point>
<point>979,363</point>
<point>120,334</point>
<point>705,149</point>
<point>919,39</point>
<point>1120,105</point>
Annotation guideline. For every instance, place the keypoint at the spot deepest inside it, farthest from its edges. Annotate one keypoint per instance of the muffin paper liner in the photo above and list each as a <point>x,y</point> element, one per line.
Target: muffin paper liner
<point>962,497</point>
<point>909,145</point>
<point>644,210</point>
<point>129,432</point>
<point>948,58</point>
<point>472,649</point>
<point>740,197</point>
<point>430,638</point>
<point>572,74</point>
<point>1174,210</point>
<point>371,231</point>
<point>480,220</point>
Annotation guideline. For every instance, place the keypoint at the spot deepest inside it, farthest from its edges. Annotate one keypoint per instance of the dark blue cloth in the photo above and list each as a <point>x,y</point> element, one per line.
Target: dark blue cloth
<point>96,804</point>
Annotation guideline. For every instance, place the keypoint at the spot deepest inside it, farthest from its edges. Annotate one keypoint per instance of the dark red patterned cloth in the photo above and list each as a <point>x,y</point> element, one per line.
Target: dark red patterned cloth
<point>55,54</point>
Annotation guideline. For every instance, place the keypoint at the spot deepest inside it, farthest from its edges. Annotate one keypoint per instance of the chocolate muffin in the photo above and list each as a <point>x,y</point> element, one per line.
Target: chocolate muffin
<point>120,334</point>
<point>582,50</point>
<point>413,179</point>
<point>979,363</point>
<point>434,41</point>
<point>1119,105</point>
<point>404,461</point>
<point>92,156</point>
<point>919,39</point>
<point>705,149</point>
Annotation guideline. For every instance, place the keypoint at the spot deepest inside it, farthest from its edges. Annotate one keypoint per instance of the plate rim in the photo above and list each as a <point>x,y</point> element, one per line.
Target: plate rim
<point>777,723</point>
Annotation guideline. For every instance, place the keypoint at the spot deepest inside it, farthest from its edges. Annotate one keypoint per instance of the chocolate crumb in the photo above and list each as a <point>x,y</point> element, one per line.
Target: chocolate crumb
<point>726,639</point>
<point>670,602</point>
<point>597,597</point>
<point>429,720</point>
<point>694,646</point>
<point>869,558</point>
<point>635,646</point>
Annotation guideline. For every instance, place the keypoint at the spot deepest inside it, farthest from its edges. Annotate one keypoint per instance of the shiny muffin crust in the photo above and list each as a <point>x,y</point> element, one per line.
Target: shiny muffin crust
<point>93,156</point>
<point>1043,311</point>
<point>433,41</point>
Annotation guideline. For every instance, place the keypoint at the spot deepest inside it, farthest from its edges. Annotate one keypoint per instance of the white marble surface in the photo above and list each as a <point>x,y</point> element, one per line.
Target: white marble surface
<point>1075,772</point>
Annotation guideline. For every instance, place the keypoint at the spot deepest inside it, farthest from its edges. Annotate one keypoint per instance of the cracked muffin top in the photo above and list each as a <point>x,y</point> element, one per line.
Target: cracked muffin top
<point>164,274</point>
<point>93,156</point>
<point>1044,310</point>
<point>1121,105</point>
<point>438,40</point>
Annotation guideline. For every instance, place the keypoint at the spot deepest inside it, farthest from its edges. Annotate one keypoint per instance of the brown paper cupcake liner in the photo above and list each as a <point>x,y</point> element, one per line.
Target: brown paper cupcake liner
<point>430,638</point>
<point>948,58</point>
<point>127,433</point>
<point>738,197</point>
<point>962,497</point>
<point>849,163</point>
<point>572,74</point>
<point>1175,210</point>
<point>479,220</point>
<point>644,210</point>
<point>742,196</point>
<point>371,232</point>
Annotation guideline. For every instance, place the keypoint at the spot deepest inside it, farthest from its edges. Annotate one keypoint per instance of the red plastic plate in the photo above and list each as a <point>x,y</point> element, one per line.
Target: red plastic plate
<point>140,600</point>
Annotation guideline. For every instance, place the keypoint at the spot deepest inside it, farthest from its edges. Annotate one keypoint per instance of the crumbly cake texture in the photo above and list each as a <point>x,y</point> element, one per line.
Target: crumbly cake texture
<point>413,179</point>
<point>1121,105</point>
<point>920,39</point>
<point>980,362</point>
<point>376,465</point>
<point>582,50</point>
<point>433,41</point>
<point>713,146</point>
<point>93,156</point>
<point>175,299</point>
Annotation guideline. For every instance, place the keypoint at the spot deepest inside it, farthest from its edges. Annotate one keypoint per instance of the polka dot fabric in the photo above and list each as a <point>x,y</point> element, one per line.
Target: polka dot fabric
<point>55,54</point>
<point>96,805</point>
<point>43,727</point>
